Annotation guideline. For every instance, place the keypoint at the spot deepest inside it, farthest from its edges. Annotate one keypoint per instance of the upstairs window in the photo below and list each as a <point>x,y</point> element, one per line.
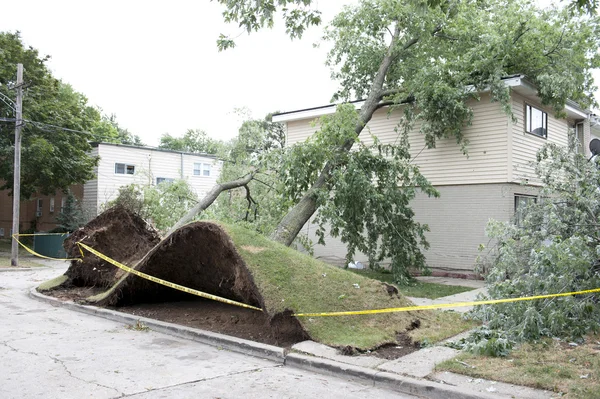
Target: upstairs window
<point>39,207</point>
<point>536,121</point>
<point>202,169</point>
<point>124,169</point>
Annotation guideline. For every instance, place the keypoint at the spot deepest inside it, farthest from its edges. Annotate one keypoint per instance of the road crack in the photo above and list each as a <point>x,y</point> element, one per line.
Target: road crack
<point>64,366</point>
<point>203,380</point>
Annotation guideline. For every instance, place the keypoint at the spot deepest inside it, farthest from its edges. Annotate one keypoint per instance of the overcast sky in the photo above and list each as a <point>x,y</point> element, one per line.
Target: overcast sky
<point>155,64</point>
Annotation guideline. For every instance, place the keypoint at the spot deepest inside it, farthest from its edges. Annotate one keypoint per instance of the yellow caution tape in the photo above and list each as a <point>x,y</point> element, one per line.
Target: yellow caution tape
<point>446,305</point>
<point>41,234</point>
<point>164,282</point>
<point>31,251</point>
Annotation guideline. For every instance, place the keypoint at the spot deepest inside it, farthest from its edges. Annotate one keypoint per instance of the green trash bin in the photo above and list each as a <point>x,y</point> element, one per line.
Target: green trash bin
<point>50,245</point>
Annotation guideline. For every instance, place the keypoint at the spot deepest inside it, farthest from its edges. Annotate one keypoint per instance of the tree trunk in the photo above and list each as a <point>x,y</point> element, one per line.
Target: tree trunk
<point>289,227</point>
<point>209,198</point>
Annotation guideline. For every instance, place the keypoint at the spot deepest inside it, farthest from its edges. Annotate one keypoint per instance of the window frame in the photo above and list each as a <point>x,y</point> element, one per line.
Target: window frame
<point>164,180</point>
<point>516,196</point>
<point>126,168</point>
<point>202,169</point>
<point>206,167</point>
<point>527,121</point>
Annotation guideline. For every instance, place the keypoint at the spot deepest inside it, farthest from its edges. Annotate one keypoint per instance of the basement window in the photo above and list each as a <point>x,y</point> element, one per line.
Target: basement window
<point>124,169</point>
<point>164,180</point>
<point>536,121</point>
<point>521,204</point>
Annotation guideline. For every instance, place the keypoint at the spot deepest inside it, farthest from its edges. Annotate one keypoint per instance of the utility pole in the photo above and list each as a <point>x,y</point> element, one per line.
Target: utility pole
<point>14,260</point>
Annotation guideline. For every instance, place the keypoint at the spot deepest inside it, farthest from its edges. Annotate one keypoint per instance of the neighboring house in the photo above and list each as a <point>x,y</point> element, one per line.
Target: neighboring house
<point>490,183</point>
<point>119,165</point>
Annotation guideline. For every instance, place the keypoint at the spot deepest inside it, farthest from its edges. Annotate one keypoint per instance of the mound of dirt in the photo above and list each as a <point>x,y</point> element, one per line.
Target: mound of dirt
<point>200,256</point>
<point>117,233</point>
<point>233,263</point>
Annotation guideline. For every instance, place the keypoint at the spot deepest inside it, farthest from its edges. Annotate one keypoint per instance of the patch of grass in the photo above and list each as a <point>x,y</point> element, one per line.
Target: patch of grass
<point>437,326</point>
<point>289,280</point>
<point>417,289</point>
<point>138,326</point>
<point>6,243</point>
<point>5,262</point>
<point>550,364</point>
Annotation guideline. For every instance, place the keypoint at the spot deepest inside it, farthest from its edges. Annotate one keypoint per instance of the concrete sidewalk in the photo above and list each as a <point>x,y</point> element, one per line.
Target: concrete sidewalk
<point>421,364</point>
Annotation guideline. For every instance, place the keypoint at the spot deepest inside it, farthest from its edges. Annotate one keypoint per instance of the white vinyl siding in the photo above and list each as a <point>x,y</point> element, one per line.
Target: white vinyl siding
<point>487,160</point>
<point>457,222</point>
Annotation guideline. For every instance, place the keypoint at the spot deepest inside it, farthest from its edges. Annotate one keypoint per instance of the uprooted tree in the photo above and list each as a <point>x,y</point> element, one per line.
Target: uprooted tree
<point>428,58</point>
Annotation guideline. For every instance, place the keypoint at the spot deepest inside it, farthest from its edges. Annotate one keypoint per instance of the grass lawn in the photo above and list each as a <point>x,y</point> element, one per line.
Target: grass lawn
<point>418,289</point>
<point>24,259</point>
<point>289,280</point>
<point>551,364</point>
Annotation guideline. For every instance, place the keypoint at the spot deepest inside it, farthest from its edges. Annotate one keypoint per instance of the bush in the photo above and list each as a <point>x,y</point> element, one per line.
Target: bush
<point>554,249</point>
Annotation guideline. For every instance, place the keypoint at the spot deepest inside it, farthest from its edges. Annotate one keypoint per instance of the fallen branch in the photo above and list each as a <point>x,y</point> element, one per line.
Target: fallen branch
<point>209,198</point>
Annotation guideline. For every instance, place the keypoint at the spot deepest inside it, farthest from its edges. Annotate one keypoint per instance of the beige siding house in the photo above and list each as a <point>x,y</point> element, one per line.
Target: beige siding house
<point>487,184</point>
<point>121,165</point>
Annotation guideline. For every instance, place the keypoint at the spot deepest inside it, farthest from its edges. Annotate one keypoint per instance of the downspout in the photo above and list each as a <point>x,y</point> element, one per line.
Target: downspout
<point>181,156</point>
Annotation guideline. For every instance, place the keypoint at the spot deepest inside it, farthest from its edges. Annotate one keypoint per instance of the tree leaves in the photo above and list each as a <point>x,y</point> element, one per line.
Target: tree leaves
<point>554,249</point>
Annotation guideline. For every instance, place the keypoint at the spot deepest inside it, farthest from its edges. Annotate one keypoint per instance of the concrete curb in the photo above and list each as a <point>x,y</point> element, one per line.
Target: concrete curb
<point>397,383</point>
<point>22,269</point>
<point>206,337</point>
<point>401,384</point>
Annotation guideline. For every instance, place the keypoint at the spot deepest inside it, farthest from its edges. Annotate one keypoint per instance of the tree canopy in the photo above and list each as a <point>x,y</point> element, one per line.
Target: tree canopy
<point>59,123</point>
<point>193,140</point>
<point>427,58</point>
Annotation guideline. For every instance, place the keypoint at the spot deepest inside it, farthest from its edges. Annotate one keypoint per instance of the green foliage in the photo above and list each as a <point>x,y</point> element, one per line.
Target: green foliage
<point>109,130</point>
<point>71,216</point>
<point>253,15</point>
<point>258,147</point>
<point>52,158</point>
<point>443,55</point>
<point>554,249</point>
<point>162,205</point>
<point>486,342</point>
<point>366,203</point>
<point>196,141</point>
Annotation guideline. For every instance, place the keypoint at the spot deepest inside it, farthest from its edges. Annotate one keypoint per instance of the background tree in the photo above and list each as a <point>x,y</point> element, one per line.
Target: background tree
<point>256,149</point>
<point>161,205</point>
<point>71,216</point>
<point>196,141</point>
<point>110,131</point>
<point>58,121</point>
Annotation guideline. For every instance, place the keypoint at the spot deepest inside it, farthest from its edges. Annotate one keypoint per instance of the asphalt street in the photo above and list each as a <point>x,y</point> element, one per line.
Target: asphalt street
<point>53,352</point>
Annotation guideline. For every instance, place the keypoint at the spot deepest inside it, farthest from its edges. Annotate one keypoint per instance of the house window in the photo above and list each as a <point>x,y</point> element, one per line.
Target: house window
<point>164,180</point>
<point>1,232</point>
<point>51,204</point>
<point>202,169</point>
<point>521,204</point>
<point>39,207</point>
<point>536,121</point>
<point>63,202</point>
<point>124,169</point>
